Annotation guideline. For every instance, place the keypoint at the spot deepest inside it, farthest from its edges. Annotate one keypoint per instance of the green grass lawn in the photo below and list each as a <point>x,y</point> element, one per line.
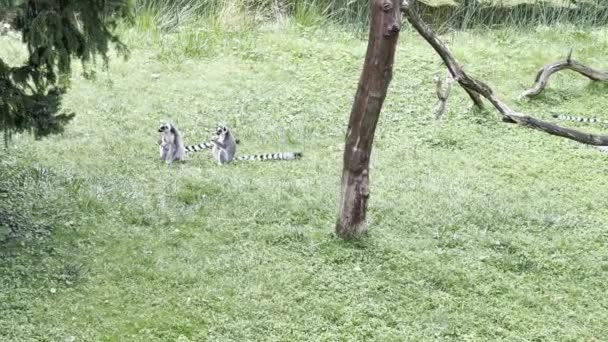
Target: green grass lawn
<point>479,230</point>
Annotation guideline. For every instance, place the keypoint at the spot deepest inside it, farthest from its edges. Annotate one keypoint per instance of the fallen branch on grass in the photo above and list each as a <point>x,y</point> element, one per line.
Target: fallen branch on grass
<point>542,77</point>
<point>477,87</point>
<point>444,86</point>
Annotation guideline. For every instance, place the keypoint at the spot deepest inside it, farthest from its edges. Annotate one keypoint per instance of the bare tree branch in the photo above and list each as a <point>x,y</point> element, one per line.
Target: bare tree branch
<point>480,88</point>
<point>542,77</point>
<point>448,59</point>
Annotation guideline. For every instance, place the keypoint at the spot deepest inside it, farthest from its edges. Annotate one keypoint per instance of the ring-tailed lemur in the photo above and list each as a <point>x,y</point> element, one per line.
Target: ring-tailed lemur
<point>172,145</point>
<point>224,149</point>
<point>579,119</point>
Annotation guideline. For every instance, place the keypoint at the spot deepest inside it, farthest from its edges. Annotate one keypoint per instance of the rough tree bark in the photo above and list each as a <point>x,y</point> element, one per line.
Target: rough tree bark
<point>373,84</point>
<point>542,77</point>
<point>480,88</point>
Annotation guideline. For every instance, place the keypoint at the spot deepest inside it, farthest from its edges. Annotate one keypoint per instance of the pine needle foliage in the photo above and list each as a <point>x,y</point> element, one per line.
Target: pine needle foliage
<point>55,32</point>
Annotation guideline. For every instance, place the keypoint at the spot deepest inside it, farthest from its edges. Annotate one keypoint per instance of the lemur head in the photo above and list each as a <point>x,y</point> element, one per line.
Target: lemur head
<point>221,130</point>
<point>164,127</point>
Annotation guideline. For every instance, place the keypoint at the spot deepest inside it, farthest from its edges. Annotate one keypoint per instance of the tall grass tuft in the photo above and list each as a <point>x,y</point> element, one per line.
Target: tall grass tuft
<point>483,14</point>
<point>462,14</point>
<point>205,28</point>
<point>166,15</point>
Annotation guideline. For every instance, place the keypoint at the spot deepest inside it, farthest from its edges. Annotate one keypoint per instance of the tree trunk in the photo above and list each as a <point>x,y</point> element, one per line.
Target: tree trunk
<point>373,84</point>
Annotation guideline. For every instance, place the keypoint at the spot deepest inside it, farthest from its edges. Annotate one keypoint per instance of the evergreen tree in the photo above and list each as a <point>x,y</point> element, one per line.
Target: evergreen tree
<point>55,32</point>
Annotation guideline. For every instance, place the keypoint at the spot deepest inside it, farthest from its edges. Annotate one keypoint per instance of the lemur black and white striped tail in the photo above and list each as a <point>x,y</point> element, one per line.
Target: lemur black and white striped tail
<point>198,147</point>
<point>202,146</point>
<point>579,119</point>
<point>272,156</point>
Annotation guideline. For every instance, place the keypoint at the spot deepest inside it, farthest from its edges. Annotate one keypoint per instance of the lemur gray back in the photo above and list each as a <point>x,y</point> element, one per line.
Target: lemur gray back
<point>171,143</point>
<point>224,147</point>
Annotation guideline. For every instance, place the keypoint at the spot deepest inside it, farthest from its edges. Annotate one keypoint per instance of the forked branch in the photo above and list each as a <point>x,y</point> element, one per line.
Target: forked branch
<point>542,77</point>
<point>478,87</point>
